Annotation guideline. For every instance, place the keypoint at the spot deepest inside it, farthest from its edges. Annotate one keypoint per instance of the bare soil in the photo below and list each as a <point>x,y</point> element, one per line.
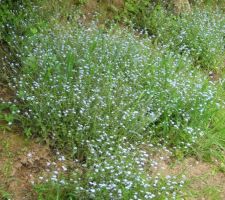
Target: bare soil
<point>206,181</point>
<point>21,160</point>
<point>6,93</point>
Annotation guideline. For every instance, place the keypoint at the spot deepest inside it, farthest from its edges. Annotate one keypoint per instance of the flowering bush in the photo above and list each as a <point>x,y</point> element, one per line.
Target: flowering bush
<point>100,95</point>
<point>81,83</point>
<point>200,33</point>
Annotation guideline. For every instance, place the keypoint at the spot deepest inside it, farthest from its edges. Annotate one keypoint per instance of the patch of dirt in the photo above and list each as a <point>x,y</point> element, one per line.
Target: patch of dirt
<point>21,161</point>
<point>6,94</point>
<point>201,175</point>
<point>181,6</point>
<point>107,8</point>
<point>214,76</point>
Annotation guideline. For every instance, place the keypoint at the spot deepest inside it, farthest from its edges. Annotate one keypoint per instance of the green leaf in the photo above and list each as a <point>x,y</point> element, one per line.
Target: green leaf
<point>33,30</point>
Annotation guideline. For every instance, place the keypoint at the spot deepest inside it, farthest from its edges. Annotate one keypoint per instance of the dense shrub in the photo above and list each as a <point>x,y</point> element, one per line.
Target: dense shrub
<point>78,84</point>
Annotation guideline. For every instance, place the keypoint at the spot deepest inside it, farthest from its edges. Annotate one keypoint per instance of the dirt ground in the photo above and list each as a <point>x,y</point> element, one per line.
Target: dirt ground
<point>21,160</point>
<point>205,181</point>
<point>24,161</point>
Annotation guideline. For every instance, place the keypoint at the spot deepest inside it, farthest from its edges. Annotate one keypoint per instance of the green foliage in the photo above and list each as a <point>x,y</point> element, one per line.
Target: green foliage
<point>140,12</point>
<point>53,191</point>
<point>91,82</point>
<point>11,16</point>
<point>8,112</point>
<point>199,33</point>
<point>4,195</point>
<point>211,3</point>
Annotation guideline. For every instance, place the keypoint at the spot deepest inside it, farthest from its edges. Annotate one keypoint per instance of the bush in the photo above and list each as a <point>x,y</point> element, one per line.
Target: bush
<point>78,84</point>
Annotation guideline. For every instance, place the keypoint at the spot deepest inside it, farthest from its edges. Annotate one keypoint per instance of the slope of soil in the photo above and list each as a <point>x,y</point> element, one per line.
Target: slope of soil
<point>21,160</point>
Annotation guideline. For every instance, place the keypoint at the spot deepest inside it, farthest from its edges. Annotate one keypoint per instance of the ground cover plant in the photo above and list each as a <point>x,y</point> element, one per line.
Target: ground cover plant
<point>109,98</point>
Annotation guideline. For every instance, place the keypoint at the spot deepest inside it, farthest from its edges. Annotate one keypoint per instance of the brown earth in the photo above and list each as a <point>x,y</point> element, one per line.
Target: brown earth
<point>6,93</point>
<point>21,160</point>
<point>205,181</point>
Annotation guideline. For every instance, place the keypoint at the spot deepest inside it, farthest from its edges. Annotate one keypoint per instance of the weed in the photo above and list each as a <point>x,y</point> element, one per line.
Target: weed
<point>4,195</point>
